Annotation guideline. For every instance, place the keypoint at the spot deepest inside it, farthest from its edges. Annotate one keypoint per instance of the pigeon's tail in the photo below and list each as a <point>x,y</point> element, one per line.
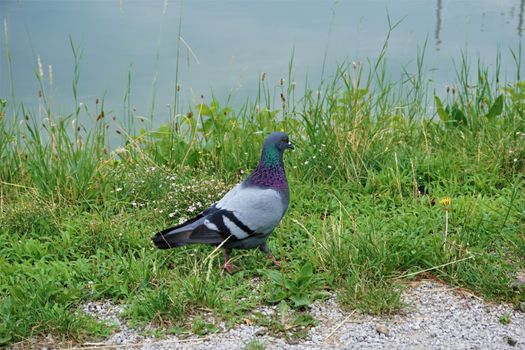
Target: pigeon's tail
<point>166,240</point>
<point>189,232</point>
<point>176,236</point>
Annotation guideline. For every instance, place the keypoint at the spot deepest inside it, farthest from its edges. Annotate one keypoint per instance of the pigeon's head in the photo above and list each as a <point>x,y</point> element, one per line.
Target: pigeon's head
<point>278,140</point>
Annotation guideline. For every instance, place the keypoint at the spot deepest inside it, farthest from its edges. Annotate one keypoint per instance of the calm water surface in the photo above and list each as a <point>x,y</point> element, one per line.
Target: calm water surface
<point>232,42</point>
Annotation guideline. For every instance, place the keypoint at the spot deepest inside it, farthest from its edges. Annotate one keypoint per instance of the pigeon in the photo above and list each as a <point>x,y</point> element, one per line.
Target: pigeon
<point>246,216</point>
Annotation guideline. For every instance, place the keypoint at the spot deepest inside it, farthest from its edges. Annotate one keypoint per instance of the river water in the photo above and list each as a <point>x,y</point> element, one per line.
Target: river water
<point>226,45</point>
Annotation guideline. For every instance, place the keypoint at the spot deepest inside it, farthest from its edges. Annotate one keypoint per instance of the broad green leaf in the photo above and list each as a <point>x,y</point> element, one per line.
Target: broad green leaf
<point>443,115</point>
<point>307,270</point>
<point>496,108</point>
<point>278,295</point>
<point>274,276</point>
<point>458,115</point>
<point>300,300</point>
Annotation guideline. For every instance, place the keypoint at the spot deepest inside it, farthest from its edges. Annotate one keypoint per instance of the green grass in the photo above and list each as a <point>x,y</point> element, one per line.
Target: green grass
<point>374,159</point>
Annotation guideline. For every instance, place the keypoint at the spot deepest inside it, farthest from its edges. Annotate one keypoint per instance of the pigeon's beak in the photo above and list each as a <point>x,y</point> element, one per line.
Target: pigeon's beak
<point>290,145</point>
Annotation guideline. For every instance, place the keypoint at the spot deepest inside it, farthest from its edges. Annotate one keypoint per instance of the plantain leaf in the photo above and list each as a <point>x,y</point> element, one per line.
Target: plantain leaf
<point>458,116</point>
<point>496,108</point>
<point>443,115</point>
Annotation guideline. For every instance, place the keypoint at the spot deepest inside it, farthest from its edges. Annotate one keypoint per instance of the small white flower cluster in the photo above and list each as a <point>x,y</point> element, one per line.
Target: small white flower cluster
<point>320,149</point>
<point>173,198</point>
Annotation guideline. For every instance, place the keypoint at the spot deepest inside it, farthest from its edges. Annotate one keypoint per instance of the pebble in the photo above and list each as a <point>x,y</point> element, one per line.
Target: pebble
<point>435,318</point>
<point>511,341</point>
<point>382,329</point>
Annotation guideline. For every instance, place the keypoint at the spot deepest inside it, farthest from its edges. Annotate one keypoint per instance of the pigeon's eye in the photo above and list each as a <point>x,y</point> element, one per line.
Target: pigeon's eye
<point>284,139</point>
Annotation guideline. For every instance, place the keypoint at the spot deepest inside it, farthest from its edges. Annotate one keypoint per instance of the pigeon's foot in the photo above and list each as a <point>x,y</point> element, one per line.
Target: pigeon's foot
<point>266,250</point>
<point>274,260</point>
<point>230,268</point>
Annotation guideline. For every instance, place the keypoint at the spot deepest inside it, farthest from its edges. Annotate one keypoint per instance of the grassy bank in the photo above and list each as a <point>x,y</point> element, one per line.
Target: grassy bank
<point>388,183</point>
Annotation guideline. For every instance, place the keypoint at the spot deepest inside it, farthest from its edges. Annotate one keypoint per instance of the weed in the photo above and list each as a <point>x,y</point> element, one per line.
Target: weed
<point>504,319</point>
<point>201,327</point>
<point>286,322</point>
<point>254,344</point>
<point>157,306</point>
<point>301,288</point>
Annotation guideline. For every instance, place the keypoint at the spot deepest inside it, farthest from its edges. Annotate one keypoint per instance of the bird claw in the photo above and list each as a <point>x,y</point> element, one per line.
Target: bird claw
<point>274,261</point>
<point>230,268</point>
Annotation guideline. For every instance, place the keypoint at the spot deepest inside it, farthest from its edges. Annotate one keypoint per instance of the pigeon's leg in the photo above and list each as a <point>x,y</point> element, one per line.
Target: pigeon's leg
<point>227,264</point>
<point>266,250</point>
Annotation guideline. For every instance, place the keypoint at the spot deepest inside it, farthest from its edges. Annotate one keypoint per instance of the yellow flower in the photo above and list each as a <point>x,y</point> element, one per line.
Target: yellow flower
<point>445,201</point>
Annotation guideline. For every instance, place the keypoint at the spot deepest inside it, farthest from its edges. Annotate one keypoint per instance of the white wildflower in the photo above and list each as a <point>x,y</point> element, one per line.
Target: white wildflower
<point>40,67</point>
<point>120,150</point>
<point>50,69</point>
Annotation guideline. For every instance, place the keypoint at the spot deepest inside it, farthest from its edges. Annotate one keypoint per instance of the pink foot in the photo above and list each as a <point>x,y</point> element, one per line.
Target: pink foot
<point>231,269</point>
<point>274,261</point>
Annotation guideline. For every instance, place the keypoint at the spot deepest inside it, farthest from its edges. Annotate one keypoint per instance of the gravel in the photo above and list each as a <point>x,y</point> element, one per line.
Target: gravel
<point>436,317</point>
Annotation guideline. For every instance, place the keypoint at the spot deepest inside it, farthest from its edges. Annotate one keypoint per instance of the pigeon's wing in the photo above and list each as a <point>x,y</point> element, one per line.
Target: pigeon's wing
<point>195,230</point>
<point>248,210</point>
<point>189,232</point>
<point>242,212</point>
